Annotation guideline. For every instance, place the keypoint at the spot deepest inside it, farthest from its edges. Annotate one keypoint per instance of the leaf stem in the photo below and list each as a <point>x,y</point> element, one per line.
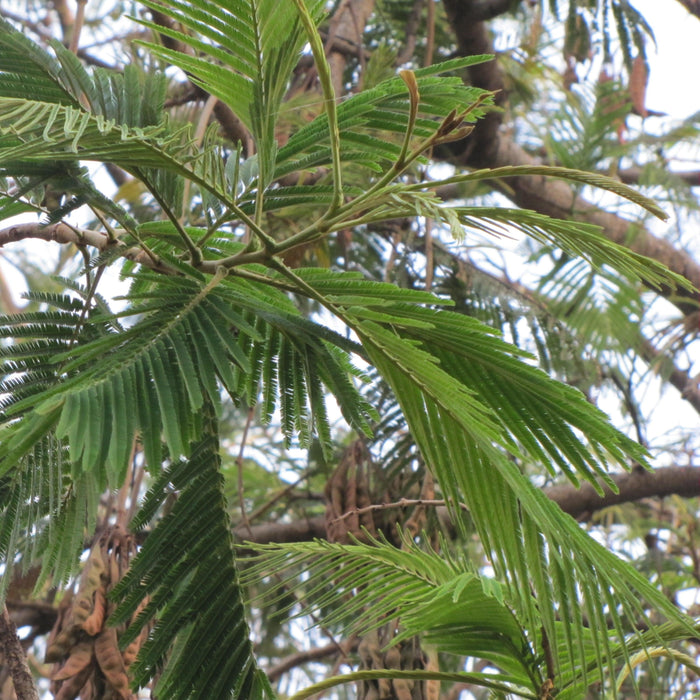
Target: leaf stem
<point>324,76</point>
<point>479,679</point>
<point>192,249</point>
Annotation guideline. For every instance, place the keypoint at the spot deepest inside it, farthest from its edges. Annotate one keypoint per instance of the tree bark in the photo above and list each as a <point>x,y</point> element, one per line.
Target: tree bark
<point>489,147</point>
<point>581,503</point>
<point>16,660</point>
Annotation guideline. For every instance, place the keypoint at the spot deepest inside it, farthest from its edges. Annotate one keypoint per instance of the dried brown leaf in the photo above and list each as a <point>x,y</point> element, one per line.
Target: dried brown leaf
<point>639,78</point>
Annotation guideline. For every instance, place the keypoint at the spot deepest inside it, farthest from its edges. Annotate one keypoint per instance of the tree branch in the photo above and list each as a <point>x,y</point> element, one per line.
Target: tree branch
<point>489,147</point>
<point>62,233</point>
<point>15,658</point>
<point>693,6</point>
<point>488,9</point>
<point>580,503</point>
<point>303,657</point>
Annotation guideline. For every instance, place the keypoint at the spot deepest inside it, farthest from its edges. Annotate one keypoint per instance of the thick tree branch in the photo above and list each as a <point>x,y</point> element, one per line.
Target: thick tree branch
<point>681,379</point>
<point>62,233</point>
<point>15,658</point>
<point>580,503</point>
<point>489,147</point>
<point>483,10</point>
<point>292,531</point>
<point>348,23</point>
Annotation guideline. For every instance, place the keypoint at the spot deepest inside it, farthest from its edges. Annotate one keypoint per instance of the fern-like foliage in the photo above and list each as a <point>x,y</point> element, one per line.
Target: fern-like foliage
<point>81,383</point>
<point>442,598</point>
<point>613,19</point>
<point>189,336</point>
<point>188,558</point>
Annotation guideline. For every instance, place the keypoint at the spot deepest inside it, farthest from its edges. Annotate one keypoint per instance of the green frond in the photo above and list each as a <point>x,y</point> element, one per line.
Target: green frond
<point>187,338</point>
<point>463,391</point>
<point>451,607</point>
<point>440,598</point>
<point>199,645</point>
<point>28,499</point>
<point>243,54</point>
<point>503,687</point>
<point>613,21</point>
<point>385,108</point>
<point>599,306</point>
<point>45,513</point>
<point>508,401</point>
<point>27,71</point>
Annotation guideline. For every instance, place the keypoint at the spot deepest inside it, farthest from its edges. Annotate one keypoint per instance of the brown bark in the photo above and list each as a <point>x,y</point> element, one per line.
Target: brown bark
<point>62,233</point>
<point>693,6</point>
<point>15,659</point>
<point>347,25</point>
<point>303,657</point>
<point>489,147</point>
<point>580,503</point>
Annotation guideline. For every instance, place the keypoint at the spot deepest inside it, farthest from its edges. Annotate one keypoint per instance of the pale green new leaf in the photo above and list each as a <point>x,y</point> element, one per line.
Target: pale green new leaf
<point>244,53</point>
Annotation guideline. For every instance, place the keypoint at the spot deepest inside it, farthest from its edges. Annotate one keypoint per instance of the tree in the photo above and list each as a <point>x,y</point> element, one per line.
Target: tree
<point>284,252</point>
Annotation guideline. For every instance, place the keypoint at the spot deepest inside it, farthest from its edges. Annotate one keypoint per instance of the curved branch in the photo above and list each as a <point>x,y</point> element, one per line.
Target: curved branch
<point>582,502</point>
<point>489,147</point>
<point>62,233</point>
<point>303,657</point>
<point>693,6</point>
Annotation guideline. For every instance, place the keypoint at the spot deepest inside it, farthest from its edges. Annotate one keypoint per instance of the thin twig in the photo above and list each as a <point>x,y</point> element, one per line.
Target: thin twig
<point>401,503</point>
<point>302,657</point>
<point>429,257</point>
<point>124,492</point>
<point>260,510</point>
<point>77,26</point>
<point>430,35</point>
<point>239,463</point>
<point>201,129</point>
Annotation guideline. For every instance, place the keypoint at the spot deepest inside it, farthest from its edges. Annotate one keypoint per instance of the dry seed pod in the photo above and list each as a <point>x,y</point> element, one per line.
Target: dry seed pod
<point>402,688</point>
<point>639,77</point>
<point>94,568</point>
<point>110,660</point>
<point>93,624</point>
<point>60,647</point>
<point>432,687</point>
<point>79,659</point>
<point>130,653</point>
<point>70,688</point>
<point>90,582</point>
<point>114,569</point>
<point>82,607</point>
<point>89,691</point>
<point>59,643</point>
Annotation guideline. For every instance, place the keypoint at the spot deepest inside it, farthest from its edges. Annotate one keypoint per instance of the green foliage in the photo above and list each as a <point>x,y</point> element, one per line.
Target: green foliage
<point>220,311</point>
<point>188,558</point>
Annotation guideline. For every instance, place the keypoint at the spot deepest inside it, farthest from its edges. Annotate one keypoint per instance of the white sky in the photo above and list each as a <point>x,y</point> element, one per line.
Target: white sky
<point>673,81</point>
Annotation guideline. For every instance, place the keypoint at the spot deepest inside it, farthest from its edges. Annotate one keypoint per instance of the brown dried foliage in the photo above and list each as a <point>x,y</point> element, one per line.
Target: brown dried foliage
<point>348,491</point>
<point>639,77</point>
<point>85,651</point>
